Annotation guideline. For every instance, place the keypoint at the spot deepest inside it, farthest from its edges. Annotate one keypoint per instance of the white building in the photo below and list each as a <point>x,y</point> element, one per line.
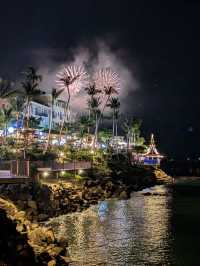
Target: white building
<point>43,111</point>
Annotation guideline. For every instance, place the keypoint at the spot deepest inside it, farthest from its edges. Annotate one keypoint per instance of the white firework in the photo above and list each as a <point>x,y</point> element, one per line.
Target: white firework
<point>106,79</point>
<point>72,77</point>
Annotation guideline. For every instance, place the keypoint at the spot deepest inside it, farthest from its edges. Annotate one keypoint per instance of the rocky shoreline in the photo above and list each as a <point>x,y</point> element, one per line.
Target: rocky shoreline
<point>26,206</point>
<point>27,243</point>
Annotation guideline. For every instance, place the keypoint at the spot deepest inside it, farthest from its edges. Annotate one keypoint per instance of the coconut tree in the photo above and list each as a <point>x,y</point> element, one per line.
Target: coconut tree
<point>94,104</point>
<point>30,90</point>
<point>126,126</point>
<point>72,78</point>
<point>17,106</point>
<point>114,104</point>
<point>54,96</point>
<point>92,93</point>
<point>136,132</point>
<point>108,82</point>
<point>84,123</point>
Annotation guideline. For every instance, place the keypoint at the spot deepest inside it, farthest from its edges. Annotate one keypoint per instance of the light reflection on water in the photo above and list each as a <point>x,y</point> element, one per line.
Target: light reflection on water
<point>126,232</point>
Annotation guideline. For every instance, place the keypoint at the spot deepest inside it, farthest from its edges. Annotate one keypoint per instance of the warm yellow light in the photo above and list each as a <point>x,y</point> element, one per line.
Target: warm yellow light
<point>45,174</point>
<point>61,154</point>
<point>80,171</point>
<point>62,172</point>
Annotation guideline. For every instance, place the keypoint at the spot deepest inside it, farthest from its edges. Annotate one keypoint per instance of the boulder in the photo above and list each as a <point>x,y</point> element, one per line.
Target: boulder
<point>32,204</point>
<point>123,195</point>
<point>42,217</point>
<point>51,263</point>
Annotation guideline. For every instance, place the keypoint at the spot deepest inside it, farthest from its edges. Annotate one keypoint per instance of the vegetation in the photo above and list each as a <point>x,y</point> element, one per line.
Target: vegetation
<point>85,138</point>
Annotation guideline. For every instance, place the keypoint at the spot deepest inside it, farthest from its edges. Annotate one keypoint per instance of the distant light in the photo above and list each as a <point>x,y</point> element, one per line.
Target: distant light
<point>45,174</point>
<point>54,141</point>
<point>11,130</point>
<point>62,154</point>
<point>188,159</point>
<point>80,171</point>
<point>62,173</point>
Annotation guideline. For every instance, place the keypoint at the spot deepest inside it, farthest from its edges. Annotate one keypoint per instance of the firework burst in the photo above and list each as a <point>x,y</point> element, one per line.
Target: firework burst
<point>72,77</point>
<point>106,79</point>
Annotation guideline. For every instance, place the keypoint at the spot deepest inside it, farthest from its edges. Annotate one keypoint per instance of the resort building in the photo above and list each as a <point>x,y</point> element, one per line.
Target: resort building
<point>43,111</point>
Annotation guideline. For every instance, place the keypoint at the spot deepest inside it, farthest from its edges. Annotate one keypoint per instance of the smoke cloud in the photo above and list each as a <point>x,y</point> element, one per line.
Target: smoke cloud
<point>96,55</point>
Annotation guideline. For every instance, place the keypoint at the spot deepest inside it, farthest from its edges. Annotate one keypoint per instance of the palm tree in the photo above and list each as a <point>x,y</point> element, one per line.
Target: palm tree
<point>92,92</point>
<point>83,125</point>
<point>17,106</point>
<point>108,92</point>
<point>30,89</point>
<point>6,88</point>
<point>136,133</point>
<point>127,129</point>
<point>54,96</point>
<point>93,104</point>
<point>114,104</point>
<point>6,116</point>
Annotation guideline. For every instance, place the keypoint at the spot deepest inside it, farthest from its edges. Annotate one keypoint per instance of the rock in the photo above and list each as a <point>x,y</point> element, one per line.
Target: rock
<point>123,195</point>
<point>63,242</point>
<point>51,263</point>
<point>55,251</point>
<point>65,259</point>
<point>50,236</point>
<point>21,228</point>
<point>42,217</point>
<point>32,204</point>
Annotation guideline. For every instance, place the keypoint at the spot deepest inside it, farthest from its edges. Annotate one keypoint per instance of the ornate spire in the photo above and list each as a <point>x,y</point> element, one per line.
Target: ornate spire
<point>152,151</point>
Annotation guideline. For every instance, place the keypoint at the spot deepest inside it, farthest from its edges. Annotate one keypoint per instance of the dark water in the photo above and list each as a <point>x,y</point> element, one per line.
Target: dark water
<point>160,229</point>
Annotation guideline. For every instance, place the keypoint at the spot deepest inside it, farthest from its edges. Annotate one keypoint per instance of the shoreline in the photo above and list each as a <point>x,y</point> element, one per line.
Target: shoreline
<point>28,206</point>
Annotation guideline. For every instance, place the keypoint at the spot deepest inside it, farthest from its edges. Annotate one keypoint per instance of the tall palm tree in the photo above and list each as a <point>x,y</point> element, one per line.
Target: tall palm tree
<point>127,129</point>
<point>30,89</point>
<point>114,104</point>
<point>94,104</point>
<point>107,93</point>
<point>17,106</point>
<point>54,96</point>
<point>136,133</point>
<point>84,123</point>
<point>92,92</point>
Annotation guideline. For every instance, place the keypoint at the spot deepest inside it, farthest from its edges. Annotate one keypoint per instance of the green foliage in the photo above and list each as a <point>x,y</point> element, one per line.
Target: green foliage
<point>36,154</point>
<point>33,170</point>
<point>66,174</point>
<point>5,116</point>
<point>34,122</point>
<point>6,153</point>
<point>83,154</point>
<point>105,135</point>
<point>122,168</point>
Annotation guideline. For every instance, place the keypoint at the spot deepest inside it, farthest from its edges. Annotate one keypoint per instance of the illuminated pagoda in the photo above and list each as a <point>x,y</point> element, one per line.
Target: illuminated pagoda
<point>152,156</point>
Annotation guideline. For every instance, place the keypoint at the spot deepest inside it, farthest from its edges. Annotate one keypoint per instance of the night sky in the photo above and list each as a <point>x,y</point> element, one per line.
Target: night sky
<point>158,41</point>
